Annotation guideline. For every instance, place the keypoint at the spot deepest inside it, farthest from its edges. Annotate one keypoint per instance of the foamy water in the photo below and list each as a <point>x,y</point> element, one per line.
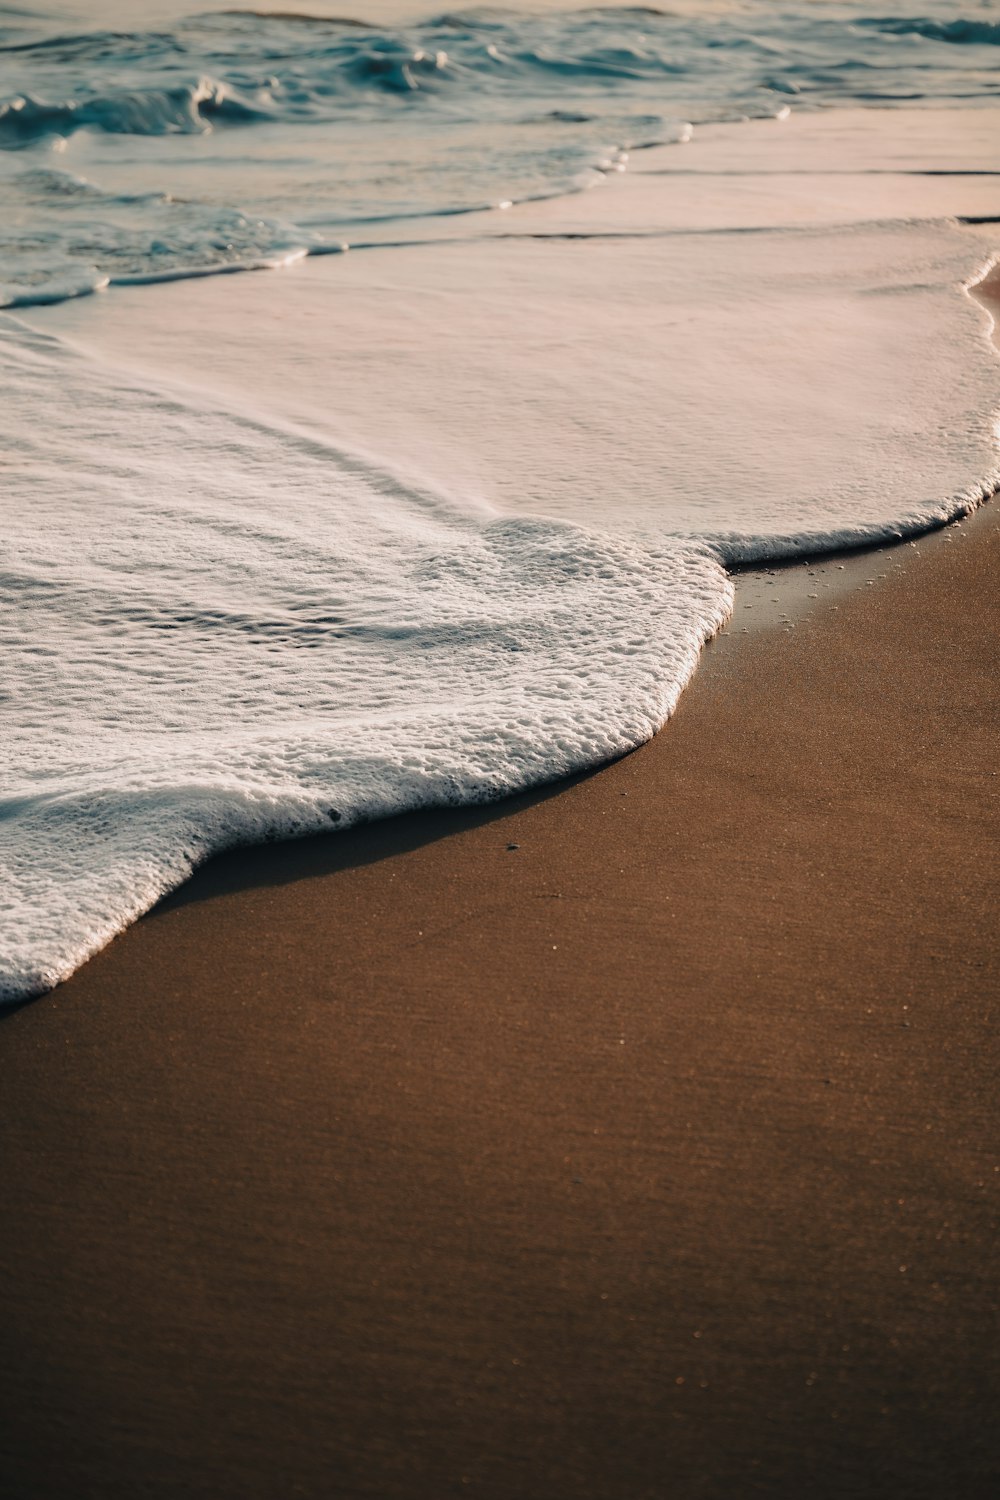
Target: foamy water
<point>433,523</point>
<point>238,138</point>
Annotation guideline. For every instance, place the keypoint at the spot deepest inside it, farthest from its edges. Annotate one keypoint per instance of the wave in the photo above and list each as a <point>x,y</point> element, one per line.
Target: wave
<point>238,66</point>
<point>361,123</point>
<point>65,237</point>
<point>186,109</point>
<point>192,661</point>
<point>220,629</point>
<point>960,32</point>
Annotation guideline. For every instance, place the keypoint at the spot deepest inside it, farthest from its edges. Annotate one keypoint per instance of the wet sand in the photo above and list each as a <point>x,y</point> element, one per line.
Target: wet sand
<point>654,1156</point>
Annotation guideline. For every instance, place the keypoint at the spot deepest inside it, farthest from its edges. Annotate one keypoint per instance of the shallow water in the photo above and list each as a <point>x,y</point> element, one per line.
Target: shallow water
<point>239,138</point>
<point>449,516</point>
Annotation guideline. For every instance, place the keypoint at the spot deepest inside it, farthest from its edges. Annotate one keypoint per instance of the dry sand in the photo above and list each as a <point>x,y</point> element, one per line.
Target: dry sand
<point>655,1156</point>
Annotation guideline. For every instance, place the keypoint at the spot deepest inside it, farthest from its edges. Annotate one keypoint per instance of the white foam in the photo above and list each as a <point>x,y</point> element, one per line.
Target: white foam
<point>792,387</point>
<point>218,630</point>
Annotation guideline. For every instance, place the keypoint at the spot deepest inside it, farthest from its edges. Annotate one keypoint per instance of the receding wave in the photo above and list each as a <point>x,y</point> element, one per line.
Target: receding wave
<point>222,667</point>
<point>66,237</point>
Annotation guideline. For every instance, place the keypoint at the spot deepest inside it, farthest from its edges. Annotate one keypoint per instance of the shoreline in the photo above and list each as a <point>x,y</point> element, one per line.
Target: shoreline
<point>634,1136</point>
<point>654,1152</point>
<point>798,442</point>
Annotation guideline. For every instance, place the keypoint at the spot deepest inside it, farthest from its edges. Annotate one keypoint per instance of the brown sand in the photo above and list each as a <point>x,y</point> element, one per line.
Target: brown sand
<point>654,1157</point>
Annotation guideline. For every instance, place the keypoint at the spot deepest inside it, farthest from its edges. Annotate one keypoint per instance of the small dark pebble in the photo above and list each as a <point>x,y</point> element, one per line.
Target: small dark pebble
<point>333,815</point>
<point>513,846</point>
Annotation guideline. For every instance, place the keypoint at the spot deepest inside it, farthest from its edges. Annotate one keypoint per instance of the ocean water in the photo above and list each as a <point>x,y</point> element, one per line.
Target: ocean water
<point>240,138</point>
<point>228,617</point>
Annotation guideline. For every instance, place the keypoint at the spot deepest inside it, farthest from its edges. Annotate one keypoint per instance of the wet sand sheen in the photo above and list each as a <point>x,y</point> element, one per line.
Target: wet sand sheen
<point>655,1155</point>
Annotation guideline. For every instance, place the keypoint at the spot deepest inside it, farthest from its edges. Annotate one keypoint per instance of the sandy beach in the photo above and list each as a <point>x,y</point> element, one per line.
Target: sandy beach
<point>633,1139</point>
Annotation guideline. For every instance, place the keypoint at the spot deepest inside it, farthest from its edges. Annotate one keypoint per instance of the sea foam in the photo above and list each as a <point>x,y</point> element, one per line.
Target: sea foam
<point>218,630</point>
